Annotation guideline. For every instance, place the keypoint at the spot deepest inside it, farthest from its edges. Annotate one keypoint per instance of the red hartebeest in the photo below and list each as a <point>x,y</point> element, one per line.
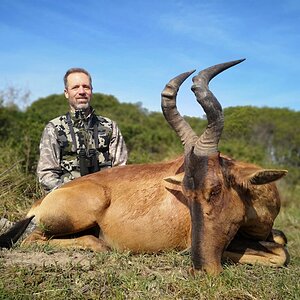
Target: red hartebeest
<point>203,200</point>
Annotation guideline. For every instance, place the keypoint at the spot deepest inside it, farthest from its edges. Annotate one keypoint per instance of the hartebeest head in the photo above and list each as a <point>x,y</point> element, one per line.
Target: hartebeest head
<point>217,210</point>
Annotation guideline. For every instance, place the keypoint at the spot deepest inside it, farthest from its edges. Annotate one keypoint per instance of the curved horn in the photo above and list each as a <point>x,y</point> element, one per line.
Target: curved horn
<point>169,108</point>
<point>208,142</point>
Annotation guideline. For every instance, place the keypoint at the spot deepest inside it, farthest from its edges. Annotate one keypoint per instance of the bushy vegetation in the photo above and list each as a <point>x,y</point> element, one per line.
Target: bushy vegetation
<point>267,136</point>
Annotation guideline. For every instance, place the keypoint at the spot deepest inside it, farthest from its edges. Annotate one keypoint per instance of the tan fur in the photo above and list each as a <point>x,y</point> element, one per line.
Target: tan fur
<point>129,218</point>
<point>251,252</point>
<point>142,208</point>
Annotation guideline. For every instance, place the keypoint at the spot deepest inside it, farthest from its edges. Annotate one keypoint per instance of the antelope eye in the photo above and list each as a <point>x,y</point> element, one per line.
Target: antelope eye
<point>215,192</point>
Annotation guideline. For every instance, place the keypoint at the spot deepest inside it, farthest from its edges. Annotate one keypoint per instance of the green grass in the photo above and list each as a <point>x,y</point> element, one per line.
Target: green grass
<point>162,276</point>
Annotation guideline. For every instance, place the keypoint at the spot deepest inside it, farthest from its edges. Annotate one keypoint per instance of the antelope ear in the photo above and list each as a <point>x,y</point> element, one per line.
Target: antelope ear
<point>176,179</point>
<point>266,175</point>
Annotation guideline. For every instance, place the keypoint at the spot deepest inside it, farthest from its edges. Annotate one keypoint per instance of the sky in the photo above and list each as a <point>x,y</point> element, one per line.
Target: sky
<point>133,48</point>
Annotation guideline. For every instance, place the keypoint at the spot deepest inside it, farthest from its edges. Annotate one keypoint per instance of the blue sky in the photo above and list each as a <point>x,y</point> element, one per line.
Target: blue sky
<point>132,48</point>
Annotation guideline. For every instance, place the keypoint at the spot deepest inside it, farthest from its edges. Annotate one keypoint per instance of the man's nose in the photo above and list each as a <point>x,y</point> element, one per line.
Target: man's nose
<point>81,90</point>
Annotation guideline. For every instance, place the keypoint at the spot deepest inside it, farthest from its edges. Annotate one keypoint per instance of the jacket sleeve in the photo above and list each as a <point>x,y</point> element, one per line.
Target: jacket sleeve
<point>117,147</point>
<point>49,171</point>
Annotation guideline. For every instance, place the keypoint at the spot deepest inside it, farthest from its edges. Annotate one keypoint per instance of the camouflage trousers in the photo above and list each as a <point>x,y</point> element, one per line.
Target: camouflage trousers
<point>5,225</point>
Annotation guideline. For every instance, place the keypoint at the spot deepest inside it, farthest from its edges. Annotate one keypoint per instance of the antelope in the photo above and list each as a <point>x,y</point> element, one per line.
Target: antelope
<point>204,201</point>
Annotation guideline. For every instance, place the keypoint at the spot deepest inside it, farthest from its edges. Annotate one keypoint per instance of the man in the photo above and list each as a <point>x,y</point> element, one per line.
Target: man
<point>79,142</point>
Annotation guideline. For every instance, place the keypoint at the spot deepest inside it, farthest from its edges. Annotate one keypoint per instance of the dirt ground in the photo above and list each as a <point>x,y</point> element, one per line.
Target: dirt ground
<point>21,257</point>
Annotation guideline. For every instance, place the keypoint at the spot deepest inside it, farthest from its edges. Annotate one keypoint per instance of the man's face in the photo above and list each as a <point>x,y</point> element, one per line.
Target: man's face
<point>79,91</point>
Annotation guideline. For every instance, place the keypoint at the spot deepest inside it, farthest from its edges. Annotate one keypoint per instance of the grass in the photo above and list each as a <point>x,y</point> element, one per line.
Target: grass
<point>162,276</point>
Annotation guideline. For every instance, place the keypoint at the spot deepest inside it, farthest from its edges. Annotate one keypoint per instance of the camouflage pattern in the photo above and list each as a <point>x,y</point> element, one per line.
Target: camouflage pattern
<point>59,162</point>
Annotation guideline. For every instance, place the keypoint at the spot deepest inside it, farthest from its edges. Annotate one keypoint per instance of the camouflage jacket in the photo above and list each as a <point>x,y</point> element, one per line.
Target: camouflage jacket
<point>59,148</point>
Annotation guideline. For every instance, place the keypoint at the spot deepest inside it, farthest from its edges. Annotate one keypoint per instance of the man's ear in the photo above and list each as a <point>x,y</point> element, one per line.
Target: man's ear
<point>66,93</point>
<point>176,179</point>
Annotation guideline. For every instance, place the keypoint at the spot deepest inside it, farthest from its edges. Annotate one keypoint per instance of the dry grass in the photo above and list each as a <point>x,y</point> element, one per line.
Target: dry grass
<point>17,191</point>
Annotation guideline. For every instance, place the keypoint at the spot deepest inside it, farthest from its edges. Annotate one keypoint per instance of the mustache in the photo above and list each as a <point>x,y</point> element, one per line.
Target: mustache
<point>84,97</point>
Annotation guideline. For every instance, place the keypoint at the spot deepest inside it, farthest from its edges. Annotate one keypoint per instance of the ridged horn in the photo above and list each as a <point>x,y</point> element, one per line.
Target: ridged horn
<point>207,144</point>
<point>169,108</point>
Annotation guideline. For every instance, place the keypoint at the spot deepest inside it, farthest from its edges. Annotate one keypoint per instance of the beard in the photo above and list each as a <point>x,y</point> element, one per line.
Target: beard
<point>80,104</point>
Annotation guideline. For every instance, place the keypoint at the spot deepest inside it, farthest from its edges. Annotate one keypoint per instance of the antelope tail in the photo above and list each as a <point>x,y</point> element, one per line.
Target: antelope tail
<point>14,233</point>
